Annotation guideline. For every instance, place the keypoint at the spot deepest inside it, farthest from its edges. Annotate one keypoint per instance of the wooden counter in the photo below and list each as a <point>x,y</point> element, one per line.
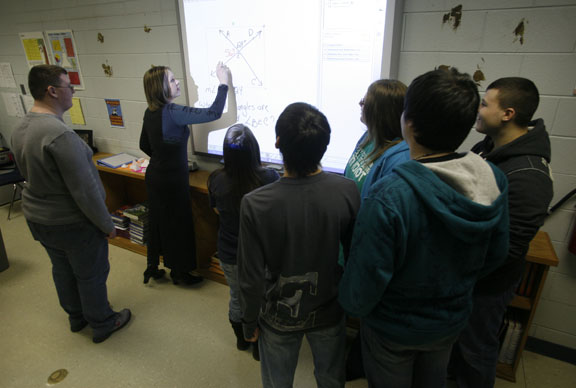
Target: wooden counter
<point>124,187</point>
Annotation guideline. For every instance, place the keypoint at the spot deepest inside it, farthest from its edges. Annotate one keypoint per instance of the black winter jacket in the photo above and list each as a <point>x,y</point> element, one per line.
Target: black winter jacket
<point>525,163</point>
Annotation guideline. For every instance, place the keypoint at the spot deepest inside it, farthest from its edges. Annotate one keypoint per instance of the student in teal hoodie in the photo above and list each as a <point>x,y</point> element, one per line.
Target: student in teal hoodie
<point>423,236</point>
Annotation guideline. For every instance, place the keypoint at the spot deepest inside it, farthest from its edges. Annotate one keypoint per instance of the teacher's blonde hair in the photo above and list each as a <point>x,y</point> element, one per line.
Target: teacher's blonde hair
<point>156,87</point>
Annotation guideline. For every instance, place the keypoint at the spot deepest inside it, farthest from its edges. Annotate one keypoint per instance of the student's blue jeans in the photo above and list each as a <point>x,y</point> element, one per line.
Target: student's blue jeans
<point>279,356</point>
<point>80,267</point>
<point>231,275</point>
<point>475,354</point>
<point>391,365</point>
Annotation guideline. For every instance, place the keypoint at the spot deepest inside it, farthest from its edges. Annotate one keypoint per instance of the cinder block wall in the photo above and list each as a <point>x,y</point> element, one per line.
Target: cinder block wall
<point>127,48</point>
<point>484,41</point>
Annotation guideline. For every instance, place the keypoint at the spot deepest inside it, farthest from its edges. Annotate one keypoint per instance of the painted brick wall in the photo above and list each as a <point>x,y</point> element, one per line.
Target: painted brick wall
<point>485,41</point>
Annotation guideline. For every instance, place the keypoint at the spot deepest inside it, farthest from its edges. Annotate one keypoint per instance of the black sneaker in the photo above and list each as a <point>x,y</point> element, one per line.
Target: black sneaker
<point>122,319</point>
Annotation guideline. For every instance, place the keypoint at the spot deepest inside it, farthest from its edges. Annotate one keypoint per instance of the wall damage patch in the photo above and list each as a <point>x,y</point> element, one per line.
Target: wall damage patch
<point>519,31</point>
<point>453,17</point>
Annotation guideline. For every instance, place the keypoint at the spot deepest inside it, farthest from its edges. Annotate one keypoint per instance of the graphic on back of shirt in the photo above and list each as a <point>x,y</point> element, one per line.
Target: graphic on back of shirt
<point>283,301</point>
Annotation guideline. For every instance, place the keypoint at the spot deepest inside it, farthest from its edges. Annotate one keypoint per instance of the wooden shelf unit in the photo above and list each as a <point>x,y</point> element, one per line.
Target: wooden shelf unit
<point>542,255</point>
<point>124,187</point>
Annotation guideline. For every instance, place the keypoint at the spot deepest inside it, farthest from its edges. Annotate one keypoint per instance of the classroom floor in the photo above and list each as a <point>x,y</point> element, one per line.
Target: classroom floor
<point>178,336</point>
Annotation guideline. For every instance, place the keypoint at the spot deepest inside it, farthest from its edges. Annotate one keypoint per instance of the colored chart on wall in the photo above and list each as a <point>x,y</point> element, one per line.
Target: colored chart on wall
<point>34,48</point>
<point>63,53</point>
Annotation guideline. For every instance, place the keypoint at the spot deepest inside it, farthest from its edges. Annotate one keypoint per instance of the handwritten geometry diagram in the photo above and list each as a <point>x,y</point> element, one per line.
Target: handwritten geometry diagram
<point>241,49</point>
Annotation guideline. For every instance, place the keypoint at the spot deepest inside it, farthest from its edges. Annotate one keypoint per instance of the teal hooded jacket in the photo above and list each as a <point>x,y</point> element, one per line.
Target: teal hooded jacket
<point>419,246</point>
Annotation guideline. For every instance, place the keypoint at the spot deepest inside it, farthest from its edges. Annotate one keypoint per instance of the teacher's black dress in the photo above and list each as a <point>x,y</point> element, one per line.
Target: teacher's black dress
<point>164,138</point>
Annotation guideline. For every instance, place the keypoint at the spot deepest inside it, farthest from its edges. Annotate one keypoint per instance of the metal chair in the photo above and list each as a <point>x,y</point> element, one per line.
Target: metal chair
<point>12,177</point>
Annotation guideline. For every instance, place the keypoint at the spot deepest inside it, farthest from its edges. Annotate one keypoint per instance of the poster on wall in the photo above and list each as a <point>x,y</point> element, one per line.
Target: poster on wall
<point>34,48</point>
<point>115,113</point>
<point>6,76</point>
<point>63,53</point>
<point>76,113</point>
<point>13,105</point>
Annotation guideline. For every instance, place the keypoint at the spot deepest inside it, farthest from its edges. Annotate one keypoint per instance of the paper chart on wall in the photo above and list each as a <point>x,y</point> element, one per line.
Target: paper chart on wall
<point>13,104</point>
<point>63,53</point>
<point>6,76</point>
<point>76,113</point>
<point>34,48</point>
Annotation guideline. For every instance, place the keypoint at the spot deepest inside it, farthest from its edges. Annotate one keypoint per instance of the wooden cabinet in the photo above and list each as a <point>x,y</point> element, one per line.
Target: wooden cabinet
<point>124,187</point>
<point>540,257</point>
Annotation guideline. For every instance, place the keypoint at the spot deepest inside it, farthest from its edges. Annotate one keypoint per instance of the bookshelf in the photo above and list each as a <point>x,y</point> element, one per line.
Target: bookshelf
<point>541,256</point>
<point>127,187</point>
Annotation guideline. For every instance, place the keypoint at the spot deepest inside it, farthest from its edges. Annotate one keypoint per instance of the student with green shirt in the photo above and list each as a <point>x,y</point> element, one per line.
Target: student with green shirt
<point>379,147</point>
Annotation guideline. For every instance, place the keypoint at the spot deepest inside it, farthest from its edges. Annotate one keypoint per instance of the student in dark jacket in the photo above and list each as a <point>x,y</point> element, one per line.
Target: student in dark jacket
<point>521,149</point>
<point>424,235</point>
<point>242,173</point>
<point>290,235</point>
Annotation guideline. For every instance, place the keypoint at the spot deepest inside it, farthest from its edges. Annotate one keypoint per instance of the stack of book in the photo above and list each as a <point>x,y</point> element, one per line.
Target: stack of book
<point>511,334</point>
<point>138,216</point>
<point>121,222</point>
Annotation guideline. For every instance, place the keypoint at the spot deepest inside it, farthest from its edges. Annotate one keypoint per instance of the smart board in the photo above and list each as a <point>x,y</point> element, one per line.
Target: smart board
<point>323,52</point>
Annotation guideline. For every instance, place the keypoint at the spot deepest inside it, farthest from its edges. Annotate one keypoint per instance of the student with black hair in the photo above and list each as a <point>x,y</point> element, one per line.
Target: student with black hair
<point>242,173</point>
<point>290,234</point>
<point>425,233</point>
<point>520,147</point>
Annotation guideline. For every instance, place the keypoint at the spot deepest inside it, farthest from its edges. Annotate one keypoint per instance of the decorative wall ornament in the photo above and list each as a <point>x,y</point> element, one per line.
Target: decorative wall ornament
<point>107,69</point>
<point>453,17</point>
<point>519,31</point>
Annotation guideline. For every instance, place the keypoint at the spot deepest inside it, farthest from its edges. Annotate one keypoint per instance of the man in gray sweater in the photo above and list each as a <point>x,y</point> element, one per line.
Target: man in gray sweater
<point>63,202</point>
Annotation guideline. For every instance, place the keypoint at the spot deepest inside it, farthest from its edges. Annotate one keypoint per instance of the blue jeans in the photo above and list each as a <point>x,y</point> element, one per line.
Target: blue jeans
<point>231,275</point>
<point>388,364</point>
<point>475,354</point>
<point>279,356</point>
<point>80,267</point>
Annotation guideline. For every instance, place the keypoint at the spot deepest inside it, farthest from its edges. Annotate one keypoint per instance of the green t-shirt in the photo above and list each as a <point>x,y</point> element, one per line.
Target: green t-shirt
<point>356,168</point>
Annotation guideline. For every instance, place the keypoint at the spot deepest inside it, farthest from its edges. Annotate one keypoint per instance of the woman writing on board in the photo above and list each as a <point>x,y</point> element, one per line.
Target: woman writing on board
<point>164,138</point>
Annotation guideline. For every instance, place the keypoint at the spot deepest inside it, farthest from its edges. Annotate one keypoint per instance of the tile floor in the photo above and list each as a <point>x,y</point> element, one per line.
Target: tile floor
<point>178,337</point>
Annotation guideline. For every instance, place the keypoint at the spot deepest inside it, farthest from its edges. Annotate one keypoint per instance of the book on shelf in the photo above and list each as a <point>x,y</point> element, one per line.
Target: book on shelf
<point>122,233</point>
<point>119,219</point>
<point>138,212</point>
<point>507,332</point>
<point>117,160</point>
<point>511,340</point>
<point>510,355</point>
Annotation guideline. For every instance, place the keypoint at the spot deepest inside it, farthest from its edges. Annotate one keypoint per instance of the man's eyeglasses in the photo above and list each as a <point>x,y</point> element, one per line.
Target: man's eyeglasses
<point>67,86</point>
